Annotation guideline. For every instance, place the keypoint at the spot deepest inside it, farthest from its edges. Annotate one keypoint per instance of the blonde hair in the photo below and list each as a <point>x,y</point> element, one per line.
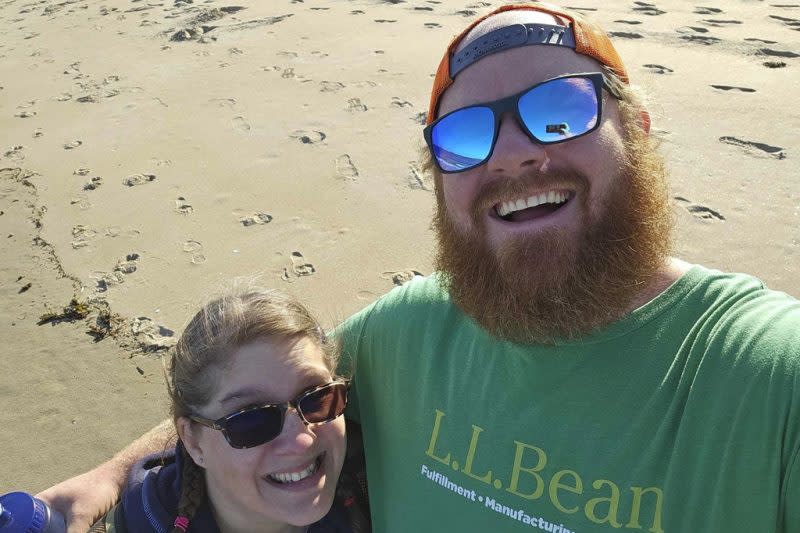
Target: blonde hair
<point>219,328</point>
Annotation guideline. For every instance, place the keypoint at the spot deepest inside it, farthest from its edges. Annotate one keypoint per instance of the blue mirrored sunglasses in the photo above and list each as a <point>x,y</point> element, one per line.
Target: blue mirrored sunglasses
<point>553,111</point>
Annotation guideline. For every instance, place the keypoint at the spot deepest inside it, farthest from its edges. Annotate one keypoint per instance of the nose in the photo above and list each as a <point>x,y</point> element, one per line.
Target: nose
<point>296,435</point>
<point>514,150</point>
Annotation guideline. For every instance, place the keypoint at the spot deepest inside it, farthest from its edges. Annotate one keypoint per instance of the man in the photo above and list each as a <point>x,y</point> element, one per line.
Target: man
<point>561,372</point>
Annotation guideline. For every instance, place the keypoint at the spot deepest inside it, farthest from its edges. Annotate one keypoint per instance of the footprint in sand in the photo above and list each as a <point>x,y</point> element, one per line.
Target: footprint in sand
<point>330,86</point>
<point>138,179</point>
<point>93,184</point>
<point>256,219</point>
<point>774,64</point>
<point>757,40</point>
<point>466,13</point>
<point>646,8</point>
<point>733,88</point>
<point>718,23</point>
<point>82,235</point>
<point>230,103</point>
<point>702,39</point>
<point>81,201</point>
<point>123,268</point>
<point>399,102</point>
<point>625,34</point>
<point>385,21</point>
<point>299,265</point>
<point>116,231</point>
<point>15,153</point>
<point>756,148</point>
<point>81,171</point>
<point>703,10</point>
<point>72,145</point>
<point>308,137</point>
<point>399,277</point>
<point>793,24</point>
<point>152,337</point>
<point>355,105</point>
<point>631,22</point>
<point>345,167</point>
<point>25,114</point>
<point>432,25</point>
<point>196,250</point>
<point>241,124</point>
<point>183,206</point>
<point>37,133</point>
<point>692,29</point>
<point>699,211</point>
<point>423,8</point>
<point>288,73</point>
<point>658,69</point>
<point>777,53</point>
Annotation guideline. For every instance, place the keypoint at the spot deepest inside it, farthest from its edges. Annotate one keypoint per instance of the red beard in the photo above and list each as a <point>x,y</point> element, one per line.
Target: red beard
<point>560,284</point>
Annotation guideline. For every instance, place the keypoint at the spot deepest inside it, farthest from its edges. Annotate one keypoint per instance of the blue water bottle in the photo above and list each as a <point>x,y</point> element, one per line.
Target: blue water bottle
<point>22,513</point>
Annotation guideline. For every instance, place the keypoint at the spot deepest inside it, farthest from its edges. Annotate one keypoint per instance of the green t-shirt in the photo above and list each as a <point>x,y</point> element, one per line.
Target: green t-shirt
<point>683,417</point>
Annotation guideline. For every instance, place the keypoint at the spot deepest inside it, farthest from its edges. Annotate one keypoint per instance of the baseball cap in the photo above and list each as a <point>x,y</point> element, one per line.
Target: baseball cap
<point>585,37</point>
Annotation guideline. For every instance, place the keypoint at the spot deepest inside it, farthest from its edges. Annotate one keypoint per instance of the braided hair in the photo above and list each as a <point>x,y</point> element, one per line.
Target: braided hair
<point>193,492</point>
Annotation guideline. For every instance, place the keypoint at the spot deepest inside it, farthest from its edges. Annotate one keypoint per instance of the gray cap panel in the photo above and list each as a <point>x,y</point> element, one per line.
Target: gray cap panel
<point>511,37</point>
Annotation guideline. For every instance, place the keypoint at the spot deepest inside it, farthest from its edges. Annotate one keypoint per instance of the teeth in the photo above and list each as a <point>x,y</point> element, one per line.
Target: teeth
<point>550,197</point>
<point>290,477</point>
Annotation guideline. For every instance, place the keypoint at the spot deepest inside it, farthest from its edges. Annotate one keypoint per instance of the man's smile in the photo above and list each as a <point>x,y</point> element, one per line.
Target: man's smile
<point>526,207</point>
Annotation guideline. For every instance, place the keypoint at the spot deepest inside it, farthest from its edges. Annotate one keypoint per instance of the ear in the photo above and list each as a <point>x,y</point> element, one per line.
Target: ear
<point>189,433</point>
<point>644,119</point>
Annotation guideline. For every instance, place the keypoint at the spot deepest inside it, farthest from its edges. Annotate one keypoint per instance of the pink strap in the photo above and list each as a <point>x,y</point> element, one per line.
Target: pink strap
<point>181,523</point>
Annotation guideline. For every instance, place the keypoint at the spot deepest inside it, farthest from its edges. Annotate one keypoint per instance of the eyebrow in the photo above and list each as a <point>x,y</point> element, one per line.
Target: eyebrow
<point>241,393</point>
<point>307,377</point>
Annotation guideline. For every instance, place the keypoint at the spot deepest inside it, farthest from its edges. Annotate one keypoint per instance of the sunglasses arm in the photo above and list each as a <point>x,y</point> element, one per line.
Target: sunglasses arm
<point>205,422</point>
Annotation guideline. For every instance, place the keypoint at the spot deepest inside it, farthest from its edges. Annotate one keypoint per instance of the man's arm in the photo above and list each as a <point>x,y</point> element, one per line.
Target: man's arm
<point>86,497</point>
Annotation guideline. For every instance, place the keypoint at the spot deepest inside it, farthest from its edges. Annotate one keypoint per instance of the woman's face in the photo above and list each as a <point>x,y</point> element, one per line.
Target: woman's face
<point>288,480</point>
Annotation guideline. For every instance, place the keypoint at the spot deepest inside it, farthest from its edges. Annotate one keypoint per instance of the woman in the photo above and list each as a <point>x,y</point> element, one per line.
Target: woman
<point>257,410</point>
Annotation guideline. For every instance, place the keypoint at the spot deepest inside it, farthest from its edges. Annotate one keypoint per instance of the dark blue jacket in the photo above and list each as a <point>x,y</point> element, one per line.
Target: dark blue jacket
<point>150,502</point>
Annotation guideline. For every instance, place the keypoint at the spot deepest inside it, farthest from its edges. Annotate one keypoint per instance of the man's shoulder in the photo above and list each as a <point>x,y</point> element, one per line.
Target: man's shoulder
<point>739,292</point>
<point>423,299</point>
<point>751,319</point>
<point>413,296</point>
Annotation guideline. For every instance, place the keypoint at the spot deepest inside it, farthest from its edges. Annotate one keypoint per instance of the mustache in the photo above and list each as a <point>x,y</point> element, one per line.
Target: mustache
<point>503,188</point>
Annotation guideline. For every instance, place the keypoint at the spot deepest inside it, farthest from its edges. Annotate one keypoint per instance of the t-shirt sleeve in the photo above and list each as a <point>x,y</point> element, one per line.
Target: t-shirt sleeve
<point>349,335</point>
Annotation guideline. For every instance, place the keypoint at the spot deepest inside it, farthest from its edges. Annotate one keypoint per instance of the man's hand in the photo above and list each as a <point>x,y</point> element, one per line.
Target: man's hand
<point>84,498</point>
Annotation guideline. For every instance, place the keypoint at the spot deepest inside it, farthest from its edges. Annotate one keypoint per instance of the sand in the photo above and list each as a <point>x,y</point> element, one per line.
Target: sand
<point>152,151</point>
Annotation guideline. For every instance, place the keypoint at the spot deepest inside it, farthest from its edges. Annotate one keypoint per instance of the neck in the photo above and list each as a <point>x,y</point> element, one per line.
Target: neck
<point>239,521</point>
<point>257,527</point>
<point>668,274</point>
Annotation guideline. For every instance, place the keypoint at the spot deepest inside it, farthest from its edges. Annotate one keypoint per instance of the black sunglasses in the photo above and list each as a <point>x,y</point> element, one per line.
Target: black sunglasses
<point>254,426</point>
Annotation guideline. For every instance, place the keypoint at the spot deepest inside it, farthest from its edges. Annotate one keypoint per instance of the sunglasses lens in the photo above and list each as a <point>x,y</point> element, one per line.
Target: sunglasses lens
<point>324,404</point>
<point>560,109</point>
<point>463,139</point>
<point>252,428</point>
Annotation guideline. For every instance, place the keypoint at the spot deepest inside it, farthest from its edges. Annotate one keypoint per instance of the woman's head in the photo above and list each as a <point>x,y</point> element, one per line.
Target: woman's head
<point>248,349</point>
